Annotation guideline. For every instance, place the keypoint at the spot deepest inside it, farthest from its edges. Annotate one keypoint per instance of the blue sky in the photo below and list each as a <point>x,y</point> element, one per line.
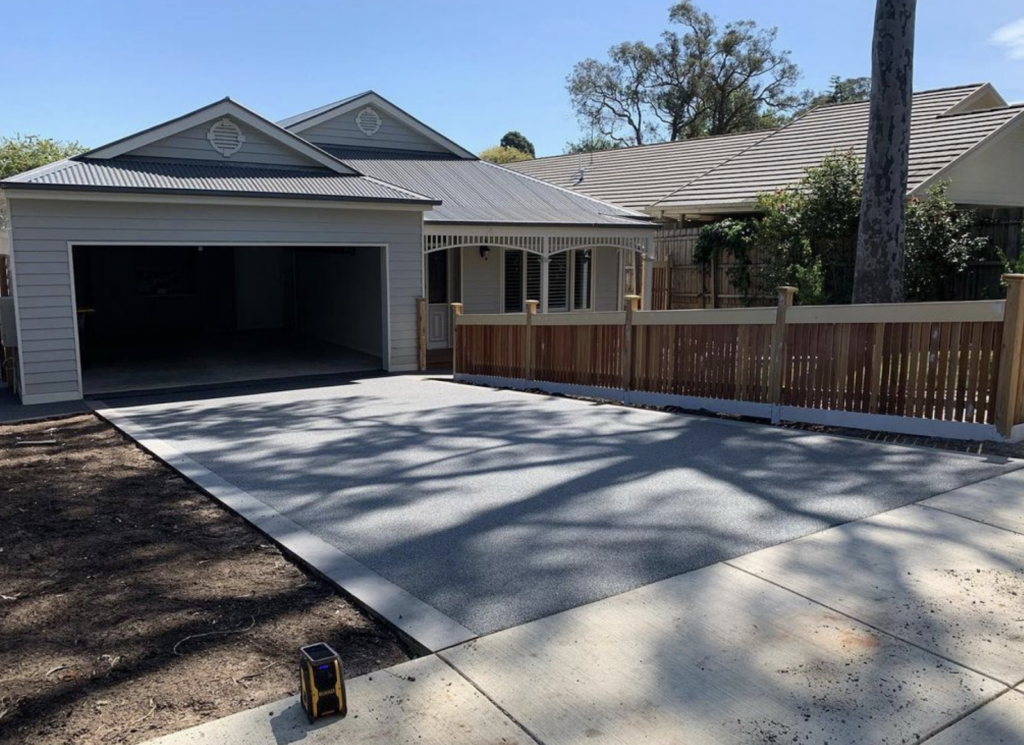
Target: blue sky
<point>98,70</point>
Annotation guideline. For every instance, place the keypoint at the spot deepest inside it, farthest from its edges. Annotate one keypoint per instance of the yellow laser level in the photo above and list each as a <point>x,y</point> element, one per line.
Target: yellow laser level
<point>321,682</point>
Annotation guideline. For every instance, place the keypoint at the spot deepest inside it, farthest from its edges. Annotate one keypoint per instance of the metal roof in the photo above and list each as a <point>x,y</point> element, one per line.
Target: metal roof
<point>295,119</point>
<point>475,191</point>
<point>636,177</point>
<point>937,139</point>
<point>126,174</point>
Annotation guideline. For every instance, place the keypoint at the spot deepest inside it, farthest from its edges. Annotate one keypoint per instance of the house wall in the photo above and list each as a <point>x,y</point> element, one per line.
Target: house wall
<point>42,230</point>
<point>993,176</point>
<point>481,281</point>
<point>192,144</point>
<point>338,297</point>
<point>606,279</point>
<point>392,135</point>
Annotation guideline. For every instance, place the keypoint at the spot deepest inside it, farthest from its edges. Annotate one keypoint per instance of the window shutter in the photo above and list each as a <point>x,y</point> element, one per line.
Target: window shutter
<point>513,281</point>
<point>532,277</point>
<point>558,282</point>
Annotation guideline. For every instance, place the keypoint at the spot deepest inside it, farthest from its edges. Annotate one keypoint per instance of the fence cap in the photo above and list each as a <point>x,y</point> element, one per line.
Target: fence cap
<point>1013,277</point>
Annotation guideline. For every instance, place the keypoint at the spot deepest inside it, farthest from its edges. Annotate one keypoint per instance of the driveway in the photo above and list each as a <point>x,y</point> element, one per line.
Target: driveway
<point>499,507</point>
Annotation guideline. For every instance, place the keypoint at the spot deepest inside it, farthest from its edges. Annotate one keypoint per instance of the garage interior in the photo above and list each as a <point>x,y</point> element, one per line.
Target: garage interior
<point>167,317</point>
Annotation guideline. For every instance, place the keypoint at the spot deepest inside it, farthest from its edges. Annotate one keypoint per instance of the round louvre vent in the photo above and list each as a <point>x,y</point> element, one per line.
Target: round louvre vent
<point>225,137</point>
<point>368,121</point>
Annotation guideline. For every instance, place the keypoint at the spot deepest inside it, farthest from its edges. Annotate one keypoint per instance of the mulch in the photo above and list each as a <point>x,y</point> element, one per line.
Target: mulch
<point>132,605</point>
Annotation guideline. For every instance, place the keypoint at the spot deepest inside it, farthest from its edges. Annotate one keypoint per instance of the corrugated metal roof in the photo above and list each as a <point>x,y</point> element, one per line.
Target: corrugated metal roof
<point>781,159</point>
<point>301,117</point>
<point>636,177</point>
<point>136,175</point>
<point>475,191</point>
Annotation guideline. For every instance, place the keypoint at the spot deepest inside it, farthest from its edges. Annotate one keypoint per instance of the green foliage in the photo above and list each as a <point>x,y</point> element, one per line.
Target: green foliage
<point>501,154</point>
<point>517,141</point>
<point>23,153</point>
<point>700,79</point>
<point>840,90</point>
<point>940,244</point>
<point>734,237</point>
<point>591,144</point>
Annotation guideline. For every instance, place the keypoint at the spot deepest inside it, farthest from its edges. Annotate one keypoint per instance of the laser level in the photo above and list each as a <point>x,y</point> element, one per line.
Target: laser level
<point>321,682</point>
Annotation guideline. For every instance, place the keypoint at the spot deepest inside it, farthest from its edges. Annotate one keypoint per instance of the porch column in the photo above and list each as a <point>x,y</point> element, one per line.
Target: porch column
<point>545,262</point>
<point>648,286</point>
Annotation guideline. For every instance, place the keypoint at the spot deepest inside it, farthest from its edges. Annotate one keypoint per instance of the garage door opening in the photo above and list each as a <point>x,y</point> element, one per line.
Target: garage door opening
<point>164,317</point>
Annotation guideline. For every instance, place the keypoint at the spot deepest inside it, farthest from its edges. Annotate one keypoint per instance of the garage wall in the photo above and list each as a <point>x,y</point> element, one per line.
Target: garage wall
<point>43,228</point>
<point>338,297</point>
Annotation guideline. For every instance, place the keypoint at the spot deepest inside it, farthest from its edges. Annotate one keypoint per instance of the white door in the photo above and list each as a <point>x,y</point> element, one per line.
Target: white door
<point>438,308</point>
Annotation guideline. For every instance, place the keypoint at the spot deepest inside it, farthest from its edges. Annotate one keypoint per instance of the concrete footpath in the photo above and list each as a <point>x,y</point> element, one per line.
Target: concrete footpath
<point>904,627</point>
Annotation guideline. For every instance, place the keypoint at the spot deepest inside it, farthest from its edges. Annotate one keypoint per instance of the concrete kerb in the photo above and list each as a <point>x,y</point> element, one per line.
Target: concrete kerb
<point>424,627</point>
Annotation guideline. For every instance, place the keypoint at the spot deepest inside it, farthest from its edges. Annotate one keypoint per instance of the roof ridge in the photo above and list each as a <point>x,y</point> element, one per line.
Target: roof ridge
<point>989,110</point>
<point>629,148</point>
<point>819,107</point>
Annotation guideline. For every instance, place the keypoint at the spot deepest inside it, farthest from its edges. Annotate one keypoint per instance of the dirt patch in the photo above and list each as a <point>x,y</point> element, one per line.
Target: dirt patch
<point>131,605</point>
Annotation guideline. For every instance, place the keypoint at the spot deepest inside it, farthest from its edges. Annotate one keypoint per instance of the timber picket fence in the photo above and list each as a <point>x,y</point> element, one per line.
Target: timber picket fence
<point>937,369</point>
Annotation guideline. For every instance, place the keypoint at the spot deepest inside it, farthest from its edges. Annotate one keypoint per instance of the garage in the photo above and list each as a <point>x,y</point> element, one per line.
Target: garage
<point>183,316</point>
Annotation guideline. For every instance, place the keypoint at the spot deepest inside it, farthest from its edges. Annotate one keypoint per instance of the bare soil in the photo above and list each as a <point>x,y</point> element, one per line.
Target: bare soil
<point>132,605</point>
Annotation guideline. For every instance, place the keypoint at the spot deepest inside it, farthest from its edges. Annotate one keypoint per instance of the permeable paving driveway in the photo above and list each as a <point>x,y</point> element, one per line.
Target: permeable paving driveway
<point>498,507</point>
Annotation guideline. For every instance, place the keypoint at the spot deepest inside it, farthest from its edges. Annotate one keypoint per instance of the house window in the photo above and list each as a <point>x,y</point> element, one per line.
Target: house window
<point>522,280</point>
<point>582,279</point>
<point>570,280</point>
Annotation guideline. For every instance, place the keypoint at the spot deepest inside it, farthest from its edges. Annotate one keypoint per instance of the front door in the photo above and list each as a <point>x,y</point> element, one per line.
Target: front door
<point>438,298</point>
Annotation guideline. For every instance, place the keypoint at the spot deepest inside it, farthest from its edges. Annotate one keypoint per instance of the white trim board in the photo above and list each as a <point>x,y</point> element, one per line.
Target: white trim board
<point>773,413</point>
<point>425,625</point>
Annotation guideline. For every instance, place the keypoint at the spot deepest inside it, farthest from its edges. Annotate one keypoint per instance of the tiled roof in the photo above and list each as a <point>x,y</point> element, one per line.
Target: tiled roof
<point>780,160</point>
<point>128,174</point>
<point>636,177</point>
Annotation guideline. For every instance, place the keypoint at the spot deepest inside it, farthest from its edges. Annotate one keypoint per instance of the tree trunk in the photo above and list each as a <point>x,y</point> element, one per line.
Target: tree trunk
<point>878,275</point>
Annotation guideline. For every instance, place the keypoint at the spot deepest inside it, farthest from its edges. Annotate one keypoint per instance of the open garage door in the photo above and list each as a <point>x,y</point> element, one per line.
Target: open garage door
<point>165,317</point>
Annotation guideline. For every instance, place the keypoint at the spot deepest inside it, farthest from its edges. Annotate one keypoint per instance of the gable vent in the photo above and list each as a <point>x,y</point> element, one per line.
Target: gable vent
<point>225,137</point>
<point>368,121</point>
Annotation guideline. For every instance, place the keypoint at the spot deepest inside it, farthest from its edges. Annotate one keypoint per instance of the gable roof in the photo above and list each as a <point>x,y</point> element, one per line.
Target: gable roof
<point>636,177</point>
<point>306,120</point>
<point>210,178</point>
<point>478,192</point>
<point>938,138</point>
<point>212,112</point>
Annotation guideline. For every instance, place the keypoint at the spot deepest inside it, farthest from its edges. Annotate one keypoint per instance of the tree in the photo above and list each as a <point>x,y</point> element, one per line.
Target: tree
<point>840,90</point>
<point>517,141</point>
<point>501,154</point>
<point>23,153</point>
<point>591,144</point>
<point>878,273</point>
<point>706,80</point>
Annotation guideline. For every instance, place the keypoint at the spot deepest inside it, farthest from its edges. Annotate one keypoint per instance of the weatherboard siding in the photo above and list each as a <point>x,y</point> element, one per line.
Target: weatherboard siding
<point>342,131</point>
<point>192,144</point>
<point>43,229</point>
<point>481,281</point>
<point>606,279</point>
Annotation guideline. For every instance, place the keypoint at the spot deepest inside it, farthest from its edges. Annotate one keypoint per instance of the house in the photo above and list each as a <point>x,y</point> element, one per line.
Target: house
<point>223,246</point>
<point>967,134</point>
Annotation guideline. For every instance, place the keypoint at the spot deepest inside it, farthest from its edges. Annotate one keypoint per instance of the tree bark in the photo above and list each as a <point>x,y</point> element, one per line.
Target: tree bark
<point>878,275</point>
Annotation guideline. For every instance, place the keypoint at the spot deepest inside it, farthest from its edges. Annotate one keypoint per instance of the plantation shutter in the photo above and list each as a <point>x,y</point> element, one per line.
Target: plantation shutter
<point>513,281</point>
<point>532,277</point>
<point>558,282</point>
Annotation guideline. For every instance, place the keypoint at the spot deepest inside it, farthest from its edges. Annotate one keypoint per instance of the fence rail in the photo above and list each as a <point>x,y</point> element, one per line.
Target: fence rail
<point>945,369</point>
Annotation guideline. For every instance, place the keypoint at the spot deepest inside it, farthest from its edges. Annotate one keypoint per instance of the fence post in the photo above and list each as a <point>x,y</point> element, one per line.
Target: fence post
<point>632,301</point>
<point>778,353</point>
<point>1010,354</point>
<point>457,310</point>
<point>531,311</point>
<point>421,331</point>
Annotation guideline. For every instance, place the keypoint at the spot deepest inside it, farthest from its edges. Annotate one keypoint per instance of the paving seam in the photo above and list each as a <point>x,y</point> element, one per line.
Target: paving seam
<point>494,703</point>
<point>889,634</point>
<point>969,712</point>
<point>426,626</point>
<point>965,517</point>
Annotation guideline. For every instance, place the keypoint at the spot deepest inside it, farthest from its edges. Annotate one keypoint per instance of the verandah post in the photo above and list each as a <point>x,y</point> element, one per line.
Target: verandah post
<point>1010,354</point>
<point>421,331</point>
<point>632,301</point>
<point>531,311</point>
<point>776,366</point>
<point>457,310</point>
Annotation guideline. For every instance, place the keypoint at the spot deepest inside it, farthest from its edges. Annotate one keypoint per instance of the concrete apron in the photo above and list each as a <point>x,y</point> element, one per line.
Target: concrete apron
<point>903,627</point>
